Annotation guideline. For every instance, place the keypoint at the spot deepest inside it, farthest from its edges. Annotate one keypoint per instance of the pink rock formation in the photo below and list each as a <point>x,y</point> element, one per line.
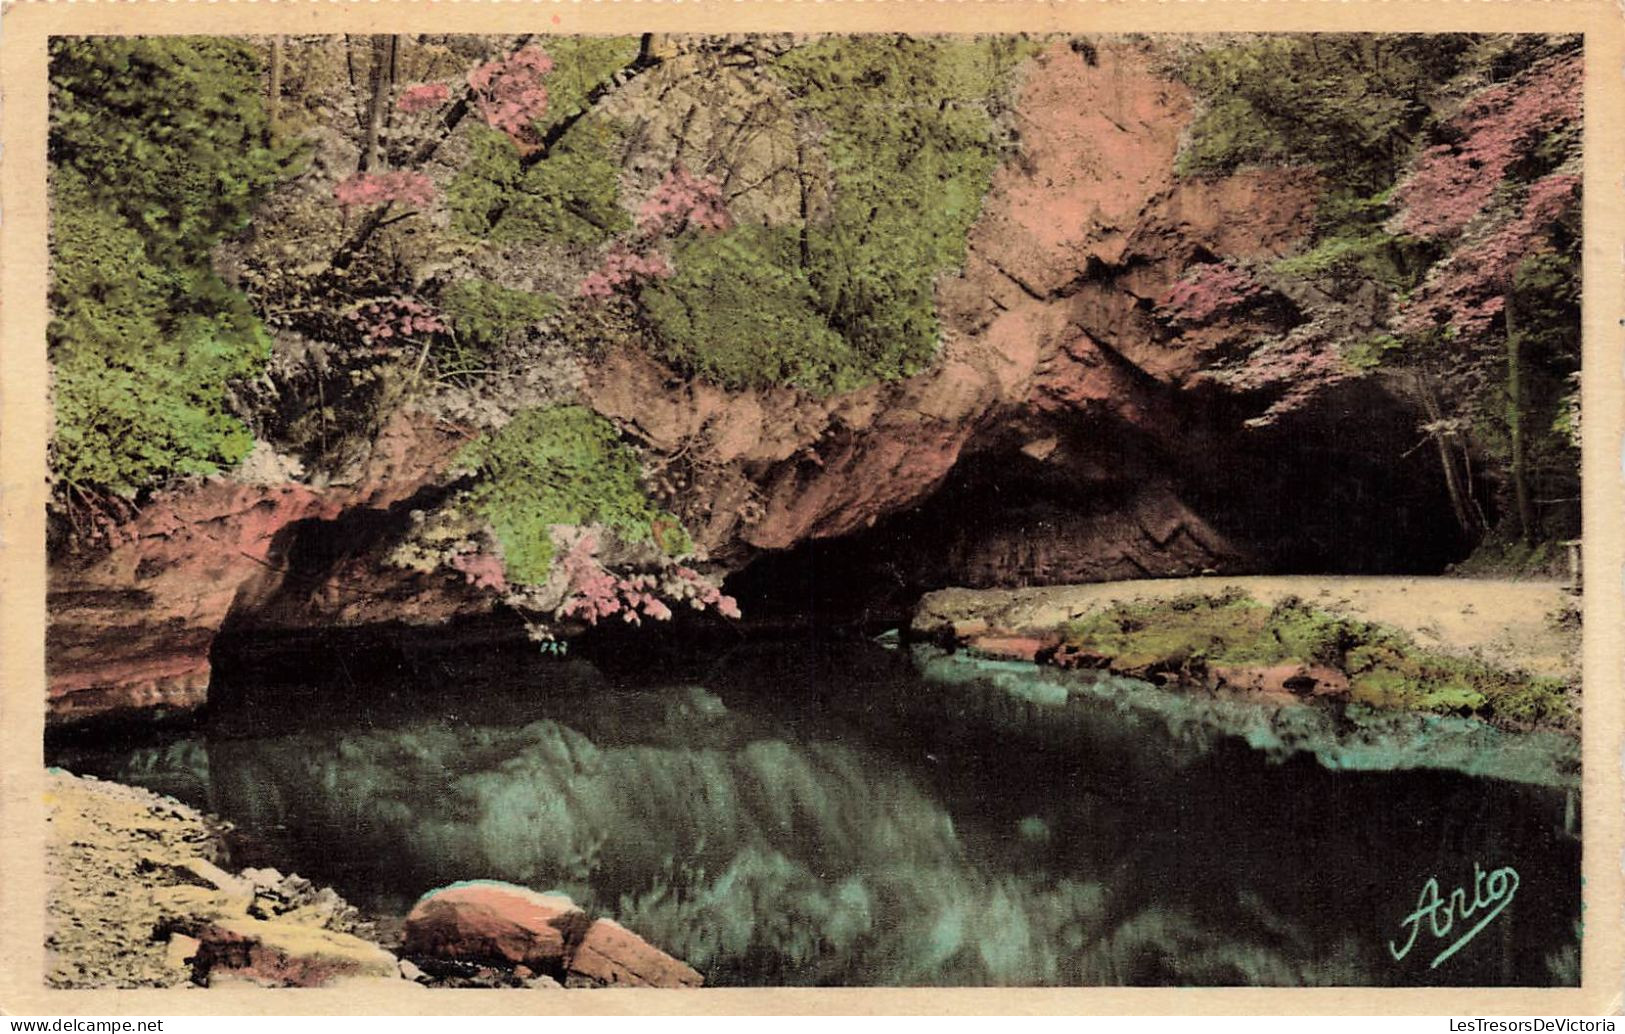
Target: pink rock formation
<point>495,923</point>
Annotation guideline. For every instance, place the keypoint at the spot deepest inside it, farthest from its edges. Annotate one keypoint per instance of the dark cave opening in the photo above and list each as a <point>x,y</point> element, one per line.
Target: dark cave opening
<point>1348,488</point>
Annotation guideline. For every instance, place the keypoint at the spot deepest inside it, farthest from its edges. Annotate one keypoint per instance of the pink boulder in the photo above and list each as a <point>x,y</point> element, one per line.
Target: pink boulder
<point>492,922</point>
<point>1285,680</point>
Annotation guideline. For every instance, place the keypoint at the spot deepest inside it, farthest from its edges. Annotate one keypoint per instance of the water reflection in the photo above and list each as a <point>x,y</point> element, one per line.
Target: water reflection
<point>828,816</point>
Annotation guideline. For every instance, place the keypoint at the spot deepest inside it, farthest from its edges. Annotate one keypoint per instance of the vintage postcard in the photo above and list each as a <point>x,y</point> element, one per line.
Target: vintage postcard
<point>807,508</point>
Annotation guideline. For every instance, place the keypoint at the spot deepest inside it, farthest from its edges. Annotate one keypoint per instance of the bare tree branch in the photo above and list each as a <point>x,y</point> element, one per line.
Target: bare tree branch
<point>448,122</point>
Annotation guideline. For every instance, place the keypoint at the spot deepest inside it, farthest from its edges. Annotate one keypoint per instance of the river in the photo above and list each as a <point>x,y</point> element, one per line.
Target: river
<point>836,812</point>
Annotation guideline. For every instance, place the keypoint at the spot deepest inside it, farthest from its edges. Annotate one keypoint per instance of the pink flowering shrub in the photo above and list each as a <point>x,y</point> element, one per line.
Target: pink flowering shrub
<point>596,593</point>
<point>683,200</point>
<point>482,570</point>
<point>390,321</point>
<point>510,95</point>
<point>621,268</point>
<point>422,97</point>
<point>1454,183</point>
<point>1207,292</point>
<point>1466,291</point>
<point>699,592</point>
<point>377,188</point>
<point>1304,368</point>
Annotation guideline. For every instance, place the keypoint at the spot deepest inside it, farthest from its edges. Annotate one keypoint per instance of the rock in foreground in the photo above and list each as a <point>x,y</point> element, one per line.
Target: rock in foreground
<point>487,922</point>
<point>136,900</point>
<point>491,922</point>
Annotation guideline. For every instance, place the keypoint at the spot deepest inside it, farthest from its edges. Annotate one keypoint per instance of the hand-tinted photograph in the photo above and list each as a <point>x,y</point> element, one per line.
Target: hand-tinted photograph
<point>686,511</point>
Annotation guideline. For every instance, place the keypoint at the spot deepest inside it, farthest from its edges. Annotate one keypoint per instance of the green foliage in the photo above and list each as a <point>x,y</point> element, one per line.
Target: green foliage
<point>1503,554</point>
<point>580,65</point>
<point>1385,668</point>
<point>484,315</point>
<point>573,194</point>
<point>156,149</point>
<point>1368,353</point>
<point>1349,104</point>
<point>1545,298</point>
<point>141,356</point>
<point>557,465</point>
<point>911,143</point>
<point>1351,241</point>
<point>169,132</point>
<point>739,311</point>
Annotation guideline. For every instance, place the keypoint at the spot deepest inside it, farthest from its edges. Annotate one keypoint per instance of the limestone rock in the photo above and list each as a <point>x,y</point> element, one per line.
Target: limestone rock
<point>278,953</point>
<point>181,951</point>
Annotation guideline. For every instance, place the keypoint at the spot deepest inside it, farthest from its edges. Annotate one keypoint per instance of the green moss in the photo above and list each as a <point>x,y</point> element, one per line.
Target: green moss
<point>1386,669</point>
<point>484,315</point>
<point>910,139</point>
<point>1140,634</point>
<point>157,154</point>
<point>559,465</point>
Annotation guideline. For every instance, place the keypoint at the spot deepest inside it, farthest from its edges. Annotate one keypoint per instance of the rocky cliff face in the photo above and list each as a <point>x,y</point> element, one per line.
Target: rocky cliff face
<point>1059,371</point>
<point>1049,327</point>
<point>132,630</point>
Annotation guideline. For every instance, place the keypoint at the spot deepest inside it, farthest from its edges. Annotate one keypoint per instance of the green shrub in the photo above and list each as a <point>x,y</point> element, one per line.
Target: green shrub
<point>484,315</point>
<point>1350,104</point>
<point>157,153</point>
<point>573,194</point>
<point>580,65</point>
<point>168,132</point>
<point>1352,107</point>
<point>911,143</point>
<point>558,465</point>
<point>142,355</point>
<point>739,311</point>
<point>1372,351</point>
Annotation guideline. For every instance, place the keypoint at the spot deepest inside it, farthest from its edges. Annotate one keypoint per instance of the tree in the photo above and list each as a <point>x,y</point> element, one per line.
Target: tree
<point>1502,192</point>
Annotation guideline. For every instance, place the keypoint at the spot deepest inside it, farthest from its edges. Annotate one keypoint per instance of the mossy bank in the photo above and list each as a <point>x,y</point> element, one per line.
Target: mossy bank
<point>1433,661</point>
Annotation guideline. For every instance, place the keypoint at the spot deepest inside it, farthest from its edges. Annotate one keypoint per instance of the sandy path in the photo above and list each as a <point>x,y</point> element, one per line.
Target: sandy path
<point>1507,622</point>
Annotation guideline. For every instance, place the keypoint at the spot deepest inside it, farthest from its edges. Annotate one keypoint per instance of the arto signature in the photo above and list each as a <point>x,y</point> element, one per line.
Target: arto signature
<point>1492,892</point>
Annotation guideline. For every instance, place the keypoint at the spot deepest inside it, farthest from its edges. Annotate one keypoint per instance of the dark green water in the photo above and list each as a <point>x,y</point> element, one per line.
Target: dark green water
<point>806,813</point>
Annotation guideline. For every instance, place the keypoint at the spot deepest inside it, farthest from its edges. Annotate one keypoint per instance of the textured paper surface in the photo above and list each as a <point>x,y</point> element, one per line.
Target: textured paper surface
<point>25,423</point>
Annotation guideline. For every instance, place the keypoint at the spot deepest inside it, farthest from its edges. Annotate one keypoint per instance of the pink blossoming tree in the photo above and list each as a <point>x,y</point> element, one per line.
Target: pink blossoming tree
<point>511,95</point>
<point>681,202</point>
<point>1474,195</point>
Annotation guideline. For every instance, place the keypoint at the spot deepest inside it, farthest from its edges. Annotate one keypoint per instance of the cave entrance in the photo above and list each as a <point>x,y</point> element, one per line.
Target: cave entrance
<point>1343,489</point>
